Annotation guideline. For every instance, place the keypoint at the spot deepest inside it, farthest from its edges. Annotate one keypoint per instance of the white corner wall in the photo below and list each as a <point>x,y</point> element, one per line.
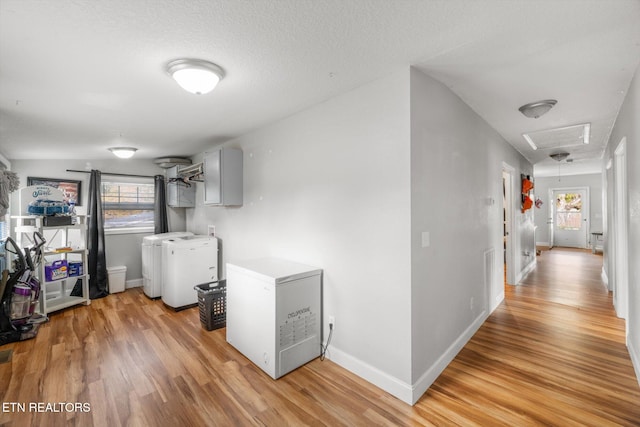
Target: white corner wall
<point>349,186</point>
<point>628,125</point>
<point>329,187</point>
<point>456,197</point>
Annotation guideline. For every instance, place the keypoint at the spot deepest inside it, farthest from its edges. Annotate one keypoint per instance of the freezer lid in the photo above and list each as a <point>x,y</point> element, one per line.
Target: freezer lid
<point>274,270</point>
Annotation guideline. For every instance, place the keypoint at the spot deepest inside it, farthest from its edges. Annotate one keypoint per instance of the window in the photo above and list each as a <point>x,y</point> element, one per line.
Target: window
<point>127,205</point>
<point>569,211</point>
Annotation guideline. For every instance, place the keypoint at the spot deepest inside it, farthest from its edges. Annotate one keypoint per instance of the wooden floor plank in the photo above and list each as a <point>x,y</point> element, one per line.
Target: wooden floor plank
<point>553,353</point>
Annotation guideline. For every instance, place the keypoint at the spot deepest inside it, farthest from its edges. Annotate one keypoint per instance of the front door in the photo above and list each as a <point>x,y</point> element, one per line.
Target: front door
<point>570,214</point>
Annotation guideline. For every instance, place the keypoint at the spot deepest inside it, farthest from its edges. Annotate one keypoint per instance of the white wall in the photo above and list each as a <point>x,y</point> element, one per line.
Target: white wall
<point>121,249</point>
<point>628,125</point>
<point>329,187</point>
<point>542,186</point>
<point>348,186</point>
<point>456,196</point>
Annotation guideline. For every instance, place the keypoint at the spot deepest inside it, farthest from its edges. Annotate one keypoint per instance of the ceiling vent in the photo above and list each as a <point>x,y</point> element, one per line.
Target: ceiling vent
<point>570,136</point>
<point>169,162</point>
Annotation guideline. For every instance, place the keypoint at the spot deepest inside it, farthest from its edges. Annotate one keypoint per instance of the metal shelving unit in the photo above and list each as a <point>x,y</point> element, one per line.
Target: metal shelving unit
<point>56,294</point>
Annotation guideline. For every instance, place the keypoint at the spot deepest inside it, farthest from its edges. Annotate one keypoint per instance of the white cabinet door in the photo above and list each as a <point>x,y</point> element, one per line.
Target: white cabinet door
<point>223,177</point>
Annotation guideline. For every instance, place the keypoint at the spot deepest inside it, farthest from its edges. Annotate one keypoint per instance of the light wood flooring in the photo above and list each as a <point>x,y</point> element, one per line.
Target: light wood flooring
<point>552,354</point>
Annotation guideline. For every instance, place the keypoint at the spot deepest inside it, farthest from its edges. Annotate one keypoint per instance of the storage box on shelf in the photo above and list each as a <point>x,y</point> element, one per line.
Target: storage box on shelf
<point>64,260</point>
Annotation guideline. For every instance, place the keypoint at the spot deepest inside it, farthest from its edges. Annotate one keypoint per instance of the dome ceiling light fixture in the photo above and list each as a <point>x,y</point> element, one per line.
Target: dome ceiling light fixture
<point>558,157</point>
<point>169,162</point>
<point>536,109</point>
<point>195,75</point>
<point>123,152</point>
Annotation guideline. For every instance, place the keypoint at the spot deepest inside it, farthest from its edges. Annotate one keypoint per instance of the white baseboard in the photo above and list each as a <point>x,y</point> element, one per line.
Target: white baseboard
<point>375,376</point>
<point>542,244</point>
<point>425,381</point>
<point>135,283</point>
<point>605,279</point>
<point>407,393</point>
<point>498,300</point>
<point>526,271</point>
<point>635,359</point>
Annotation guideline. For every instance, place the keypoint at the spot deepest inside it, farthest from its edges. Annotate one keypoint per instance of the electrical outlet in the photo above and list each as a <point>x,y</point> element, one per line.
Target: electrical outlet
<point>332,321</point>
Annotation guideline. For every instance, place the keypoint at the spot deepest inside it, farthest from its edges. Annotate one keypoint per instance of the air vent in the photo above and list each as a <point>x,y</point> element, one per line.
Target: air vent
<point>570,136</point>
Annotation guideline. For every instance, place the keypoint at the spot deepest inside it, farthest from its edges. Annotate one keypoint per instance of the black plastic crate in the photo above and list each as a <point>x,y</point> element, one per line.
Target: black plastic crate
<point>212,301</point>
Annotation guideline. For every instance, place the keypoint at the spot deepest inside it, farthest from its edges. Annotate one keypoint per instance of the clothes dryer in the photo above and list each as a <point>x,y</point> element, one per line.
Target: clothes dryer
<point>152,261</point>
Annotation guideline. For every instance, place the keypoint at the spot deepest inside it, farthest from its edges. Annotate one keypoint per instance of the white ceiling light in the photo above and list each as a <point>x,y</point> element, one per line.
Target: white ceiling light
<point>558,157</point>
<point>195,75</point>
<point>537,109</point>
<point>123,152</point>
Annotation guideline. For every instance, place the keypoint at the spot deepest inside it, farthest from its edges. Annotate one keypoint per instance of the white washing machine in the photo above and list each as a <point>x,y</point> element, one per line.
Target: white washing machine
<point>152,261</point>
<point>273,313</point>
<point>187,262</point>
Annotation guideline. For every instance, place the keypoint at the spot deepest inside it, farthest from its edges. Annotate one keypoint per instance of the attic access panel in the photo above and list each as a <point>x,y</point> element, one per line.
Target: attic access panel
<point>570,136</point>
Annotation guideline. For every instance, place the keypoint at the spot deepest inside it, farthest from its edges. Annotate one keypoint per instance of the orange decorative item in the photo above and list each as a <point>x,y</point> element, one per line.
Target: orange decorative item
<point>527,203</point>
<point>527,185</point>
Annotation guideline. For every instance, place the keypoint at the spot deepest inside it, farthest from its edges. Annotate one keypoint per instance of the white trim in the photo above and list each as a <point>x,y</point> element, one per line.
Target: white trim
<point>510,200</point>
<point>605,279</point>
<point>408,393</point>
<point>635,359</point>
<point>424,382</point>
<point>134,283</point>
<point>621,230</point>
<point>542,244</point>
<point>498,300</point>
<point>375,376</point>
<point>526,271</point>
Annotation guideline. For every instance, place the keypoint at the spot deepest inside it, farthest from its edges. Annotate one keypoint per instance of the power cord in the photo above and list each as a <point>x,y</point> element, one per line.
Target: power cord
<point>323,351</point>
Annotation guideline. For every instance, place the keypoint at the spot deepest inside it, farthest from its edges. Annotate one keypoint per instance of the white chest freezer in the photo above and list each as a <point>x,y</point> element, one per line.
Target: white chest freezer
<point>273,313</point>
<point>187,262</point>
<point>152,261</point>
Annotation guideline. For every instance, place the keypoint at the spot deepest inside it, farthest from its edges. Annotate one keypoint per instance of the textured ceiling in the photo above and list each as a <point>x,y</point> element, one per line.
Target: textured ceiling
<point>77,75</point>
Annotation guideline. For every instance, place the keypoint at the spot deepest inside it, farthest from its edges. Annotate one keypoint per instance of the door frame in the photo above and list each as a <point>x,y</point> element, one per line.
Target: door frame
<point>620,229</point>
<point>586,210</point>
<point>509,218</point>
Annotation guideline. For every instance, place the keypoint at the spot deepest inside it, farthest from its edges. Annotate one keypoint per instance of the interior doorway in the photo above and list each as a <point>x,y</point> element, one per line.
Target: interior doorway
<point>508,173</point>
<point>621,256</point>
<point>570,217</point>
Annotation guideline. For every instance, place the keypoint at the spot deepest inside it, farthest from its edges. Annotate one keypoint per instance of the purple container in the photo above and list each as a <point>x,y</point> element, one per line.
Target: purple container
<point>20,301</point>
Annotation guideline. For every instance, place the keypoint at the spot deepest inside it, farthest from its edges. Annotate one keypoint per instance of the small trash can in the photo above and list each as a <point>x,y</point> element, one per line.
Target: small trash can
<point>212,301</point>
<point>116,275</point>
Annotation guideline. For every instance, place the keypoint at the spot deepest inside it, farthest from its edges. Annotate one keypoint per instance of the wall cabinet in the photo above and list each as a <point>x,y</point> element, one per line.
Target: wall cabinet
<point>179,193</point>
<point>223,177</point>
<point>65,246</point>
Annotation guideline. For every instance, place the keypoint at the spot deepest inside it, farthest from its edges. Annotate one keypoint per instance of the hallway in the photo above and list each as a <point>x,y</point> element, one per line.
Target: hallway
<point>553,353</point>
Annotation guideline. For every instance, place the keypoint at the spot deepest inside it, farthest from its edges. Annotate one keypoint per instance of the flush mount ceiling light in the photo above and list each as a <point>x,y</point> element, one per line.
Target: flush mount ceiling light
<point>537,109</point>
<point>195,75</point>
<point>123,152</point>
<point>558,157</point>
